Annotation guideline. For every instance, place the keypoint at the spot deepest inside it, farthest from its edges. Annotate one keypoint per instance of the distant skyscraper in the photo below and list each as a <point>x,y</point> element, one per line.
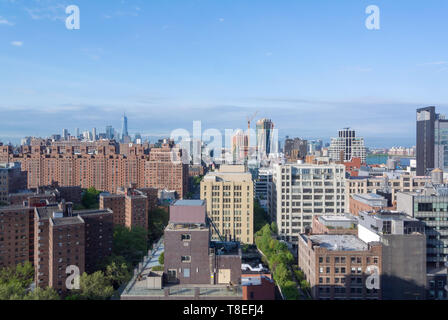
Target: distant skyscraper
<point>425,139</point>
<point>77,133</point>
<point>109,132</point>
<point>432,141</point>
<point>124,129</point>
<point>94,134</point>
<point>264,137</point>
<point>239,141</point>
<point>65,134</point>
<point>347,146</point>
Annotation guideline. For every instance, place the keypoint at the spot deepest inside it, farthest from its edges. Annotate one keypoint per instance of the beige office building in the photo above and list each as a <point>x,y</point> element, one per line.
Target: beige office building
<point>394,182</point>
<point>229,194</point>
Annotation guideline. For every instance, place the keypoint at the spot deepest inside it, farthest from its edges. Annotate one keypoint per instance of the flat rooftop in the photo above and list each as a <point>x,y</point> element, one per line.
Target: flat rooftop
<point>339,242</point>
<point>338,218</point>
<point>136,289</point>
<point>67,221</point>
<point>388,215</point>
<point>186,226</point>
<point>254,280</point>
<point>370,196</point>
<point>184,292</point>
<point>192,203</point>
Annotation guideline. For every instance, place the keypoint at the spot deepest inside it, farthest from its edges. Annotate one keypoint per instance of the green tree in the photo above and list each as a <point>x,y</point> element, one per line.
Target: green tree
<point>42,294</point>
<point>90,198</point>
<point>95,286</point>
<point>12,290</point>
<point>117,271</point>
<point>304,285</point>
<point>197,180</point>
<point>158,220</point>
<point>23,273</point>
<point>281,274</point>
<point>162,258</point>
<point>290,290</point>
<point>274,228</point>
<point>130,244</point>
<point>261,217</point>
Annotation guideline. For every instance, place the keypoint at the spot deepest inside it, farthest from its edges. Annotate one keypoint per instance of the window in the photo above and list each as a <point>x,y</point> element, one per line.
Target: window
<point>186,259</point>
<point>186,237</point>
<point>186,273</point>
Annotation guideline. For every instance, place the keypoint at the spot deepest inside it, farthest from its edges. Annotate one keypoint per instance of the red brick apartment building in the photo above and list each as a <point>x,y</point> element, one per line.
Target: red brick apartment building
<point>16,233</point>
<point>336,266</point>
<point>130,206</point>
<point>101,166</point>
<point>64,237</point>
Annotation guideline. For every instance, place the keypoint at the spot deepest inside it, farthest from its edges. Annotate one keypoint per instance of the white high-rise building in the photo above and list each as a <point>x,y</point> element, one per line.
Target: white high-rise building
<point>301,191</point>
<point>347,146</point>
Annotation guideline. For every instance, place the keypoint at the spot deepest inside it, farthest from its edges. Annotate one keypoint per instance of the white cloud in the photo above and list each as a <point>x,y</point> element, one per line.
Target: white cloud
<point>17,43</point>
<point>47,10</point>
<point>221,19</point>
<point>5,22</point>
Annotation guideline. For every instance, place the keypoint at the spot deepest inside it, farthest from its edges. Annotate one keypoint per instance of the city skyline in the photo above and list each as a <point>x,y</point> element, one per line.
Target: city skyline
<point>311,69</point>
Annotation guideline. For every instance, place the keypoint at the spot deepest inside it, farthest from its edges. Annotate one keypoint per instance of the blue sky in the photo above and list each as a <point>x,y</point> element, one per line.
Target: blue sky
<point>311,66</point>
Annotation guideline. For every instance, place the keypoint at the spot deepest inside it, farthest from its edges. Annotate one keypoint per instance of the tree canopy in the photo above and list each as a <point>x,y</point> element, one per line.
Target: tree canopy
<point>90,198</point>
<point>279,258</point>
<point>130,244</point>
<point>15,284</point>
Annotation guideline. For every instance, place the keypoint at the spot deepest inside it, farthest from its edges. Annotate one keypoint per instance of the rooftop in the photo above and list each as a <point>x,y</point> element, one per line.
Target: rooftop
<point>191,203</point>
<point>370,196</point>
<point>67,221</point>
<point>135,289</point>
<point>338,218</point>
<point>253,280</point>
<point>186,226</point>
<point>388,215</point>
<point>339,242</point>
